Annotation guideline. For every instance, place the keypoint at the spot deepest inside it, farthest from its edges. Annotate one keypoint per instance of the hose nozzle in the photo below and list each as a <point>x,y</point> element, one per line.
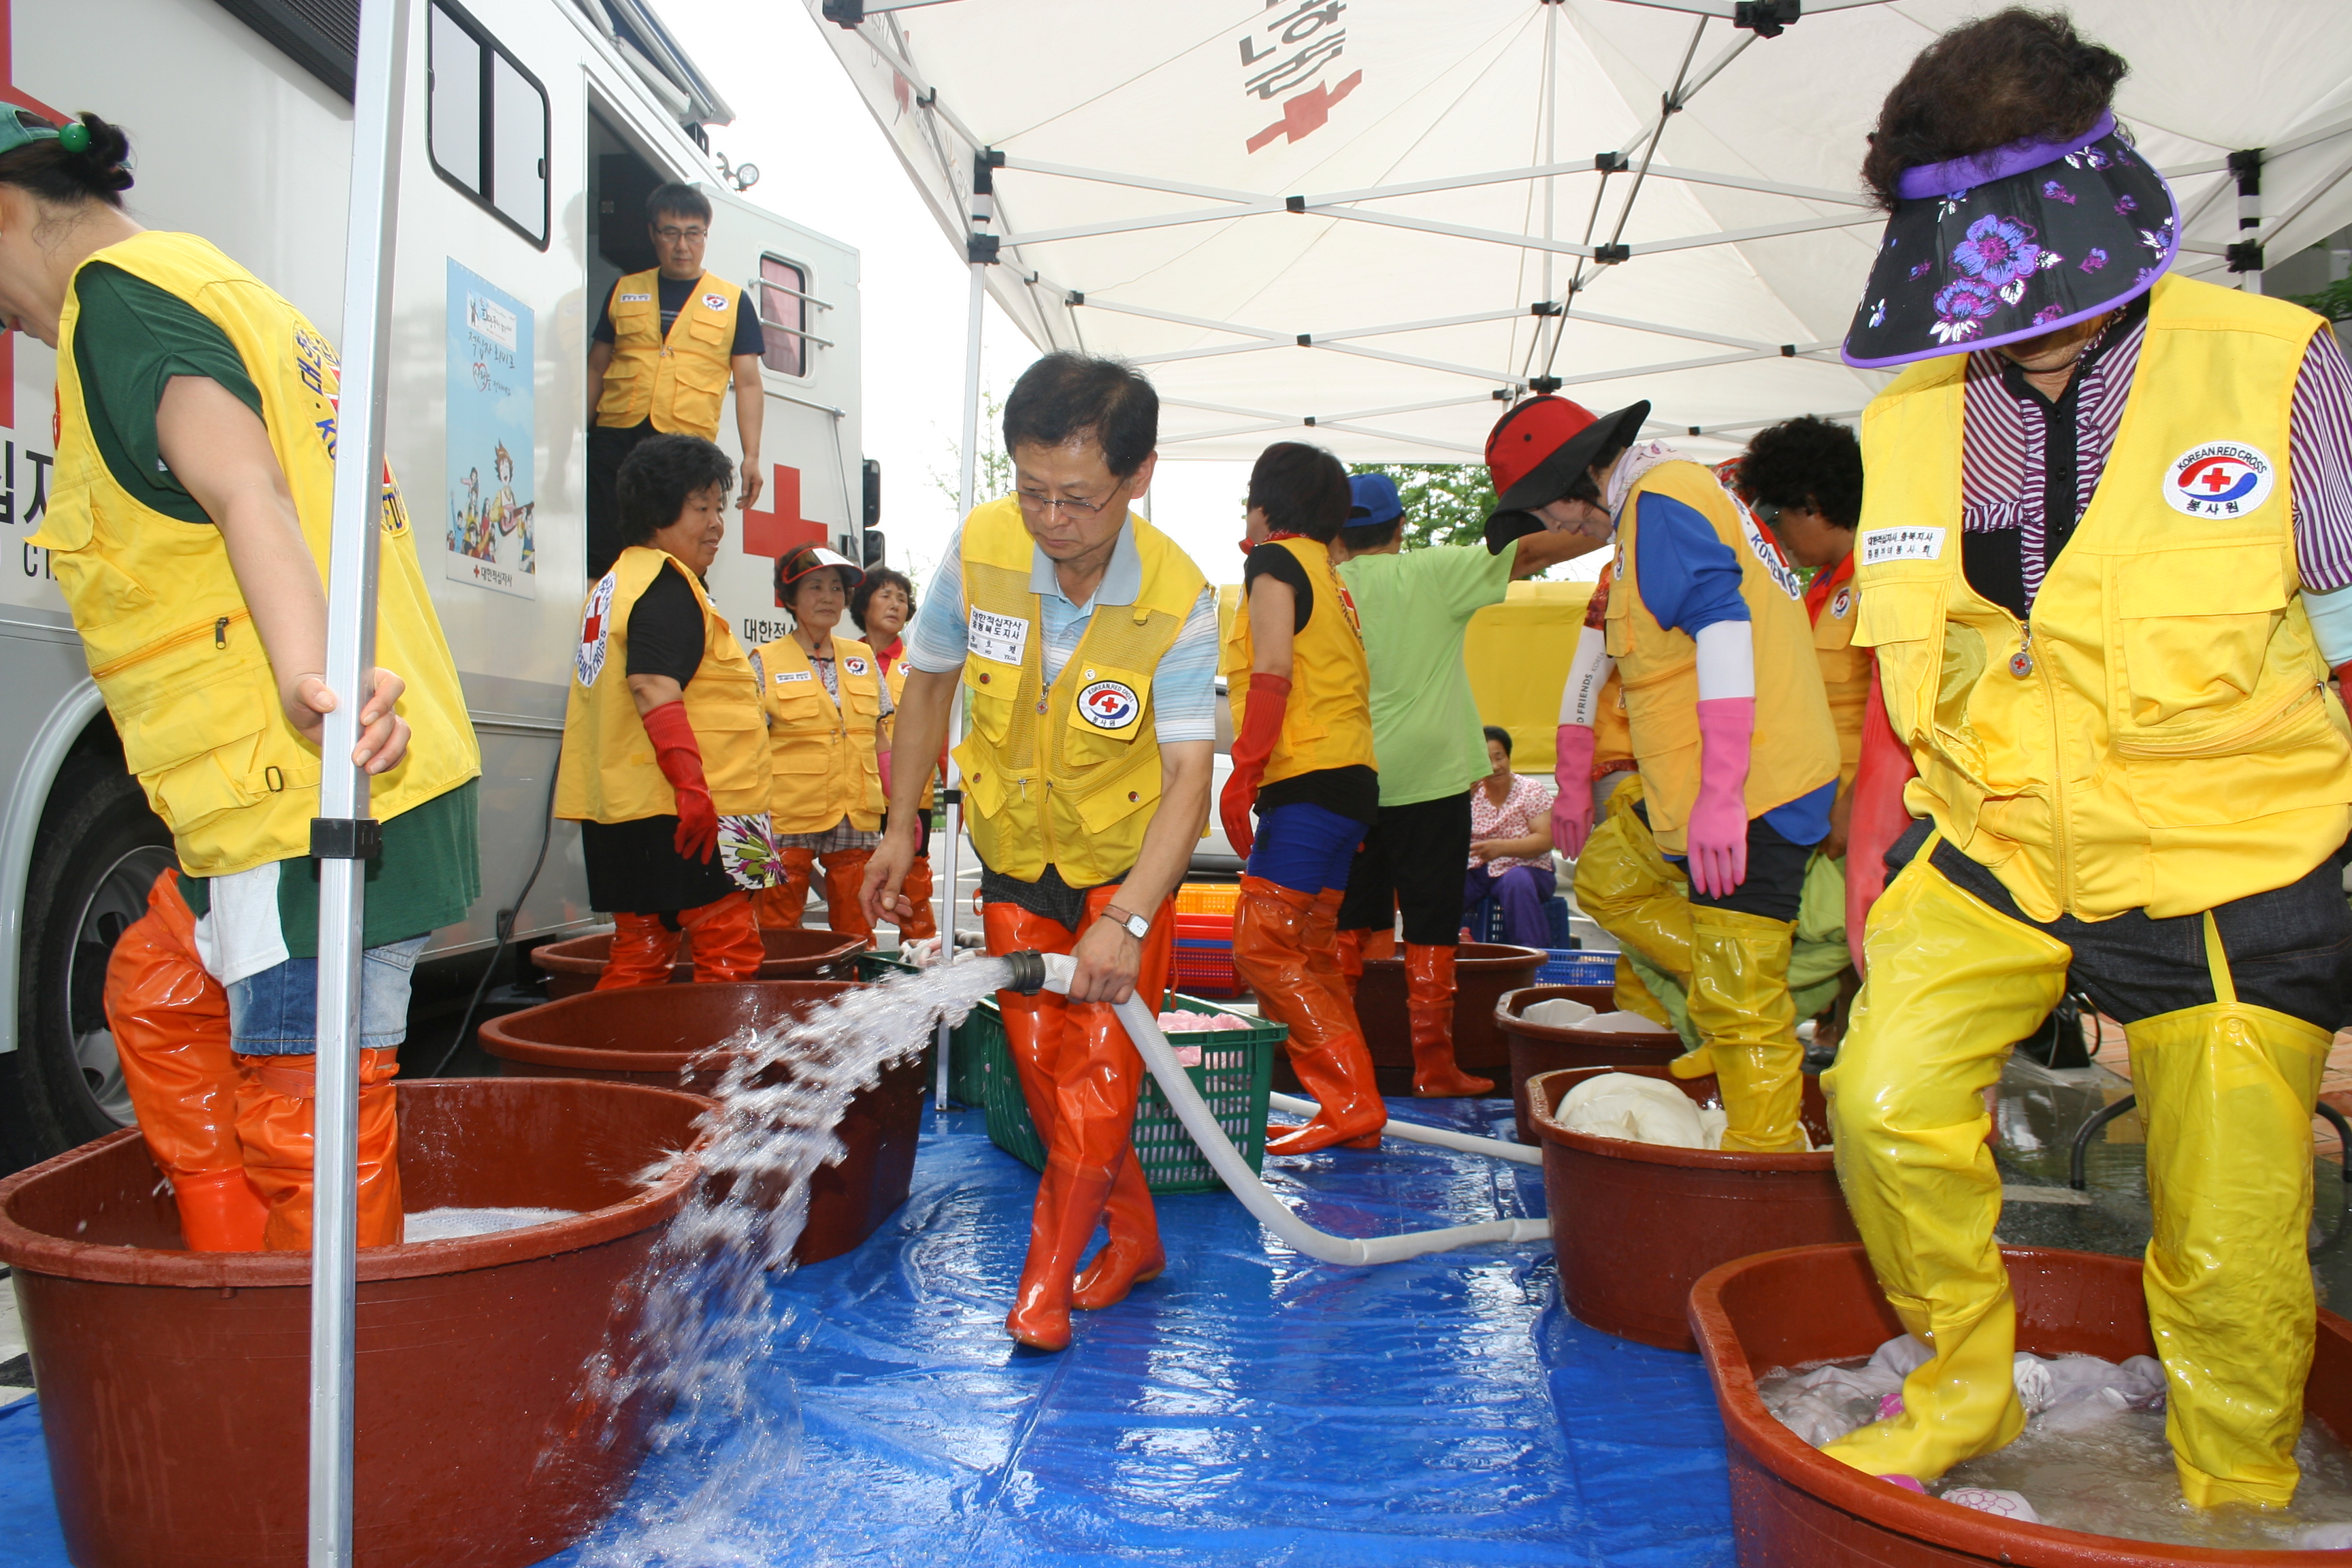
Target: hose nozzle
<point>1028,967</point>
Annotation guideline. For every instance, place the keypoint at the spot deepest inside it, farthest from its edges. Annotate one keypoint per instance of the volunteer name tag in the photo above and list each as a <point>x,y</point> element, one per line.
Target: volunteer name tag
<point>1002,638</point>
<point>786,677</point>
<point>1880,545</point>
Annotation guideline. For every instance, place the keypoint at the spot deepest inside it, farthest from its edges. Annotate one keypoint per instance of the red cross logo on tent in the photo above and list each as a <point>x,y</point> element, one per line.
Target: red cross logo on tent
<point>771,533</point>
<point>1306,113</point>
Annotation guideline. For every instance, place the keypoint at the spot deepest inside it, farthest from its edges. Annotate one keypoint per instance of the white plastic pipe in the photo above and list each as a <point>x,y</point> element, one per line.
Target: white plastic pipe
<point>1435,1137</point>
<point>1269,1211</point>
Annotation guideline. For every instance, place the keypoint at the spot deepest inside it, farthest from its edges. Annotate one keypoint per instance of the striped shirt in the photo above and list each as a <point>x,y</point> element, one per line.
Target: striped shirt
<point>1183,689</point>
<point>2004,463</point>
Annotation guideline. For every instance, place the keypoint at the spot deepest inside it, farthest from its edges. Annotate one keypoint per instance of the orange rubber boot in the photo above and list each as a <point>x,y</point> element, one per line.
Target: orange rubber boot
<point>1327,1050</point>
<point>170,1020</point>
<point>726,939</point>
<point>1322,938</point>
<point>844,878</point>
<point>1069,1205</point>
<point>275,1105</point>
<point>644,952</point>
<point>1429,1004</point>
<point>1033,1025</point>
<point>924,922</point>
<point>1134,1253</point>
<point>782,906</point>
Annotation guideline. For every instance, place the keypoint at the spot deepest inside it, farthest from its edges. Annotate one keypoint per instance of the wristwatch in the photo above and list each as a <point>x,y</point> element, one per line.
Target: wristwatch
<point>1136,925</point>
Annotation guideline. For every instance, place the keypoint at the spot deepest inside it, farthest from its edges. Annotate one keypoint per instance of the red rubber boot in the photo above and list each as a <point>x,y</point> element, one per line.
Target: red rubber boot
<point>725,938</point>
<point>1327,1050</point>
<point>1429,1005</point>
<point>844,878</point>
<point>644,952</point>
<point>782,906</point>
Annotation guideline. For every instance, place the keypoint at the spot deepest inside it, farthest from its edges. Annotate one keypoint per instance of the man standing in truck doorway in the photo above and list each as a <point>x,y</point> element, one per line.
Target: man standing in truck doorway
<point>667,344</point>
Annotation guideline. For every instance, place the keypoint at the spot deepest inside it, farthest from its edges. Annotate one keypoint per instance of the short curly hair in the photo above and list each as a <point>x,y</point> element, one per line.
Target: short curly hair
<point>1806,462</point>
<point>658,476</point>
<point>880,577</point>
<point>2014,76</point>
<point>1302,489</point>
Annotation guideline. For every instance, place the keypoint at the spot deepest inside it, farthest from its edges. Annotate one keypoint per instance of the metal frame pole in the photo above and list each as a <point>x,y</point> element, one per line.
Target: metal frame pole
<point>968,494</point>
<point>341,838</point>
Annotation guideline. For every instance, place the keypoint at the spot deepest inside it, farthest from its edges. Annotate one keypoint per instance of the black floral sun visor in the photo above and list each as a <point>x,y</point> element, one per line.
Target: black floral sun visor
<point>2011,244</point>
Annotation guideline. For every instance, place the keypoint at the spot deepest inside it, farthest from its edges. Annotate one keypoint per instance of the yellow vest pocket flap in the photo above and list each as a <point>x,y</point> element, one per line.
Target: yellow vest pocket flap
<point>2239,580</point>
<point>1102,809</point>
<point>1109,703</point>
<point>1893,612</point>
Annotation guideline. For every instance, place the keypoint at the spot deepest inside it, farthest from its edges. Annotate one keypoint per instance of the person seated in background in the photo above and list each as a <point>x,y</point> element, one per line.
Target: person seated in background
<point>1510,848</point>
<point>882,605</point>
<point>665,761</point>
<point>1303,758</point>
<point>827,712</point>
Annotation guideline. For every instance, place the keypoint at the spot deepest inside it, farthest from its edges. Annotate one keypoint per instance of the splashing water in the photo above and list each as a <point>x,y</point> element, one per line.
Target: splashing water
<point>705,1320</point>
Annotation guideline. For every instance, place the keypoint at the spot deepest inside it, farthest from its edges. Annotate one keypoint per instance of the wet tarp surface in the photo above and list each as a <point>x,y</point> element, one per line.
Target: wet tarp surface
<point>1251,1406</point>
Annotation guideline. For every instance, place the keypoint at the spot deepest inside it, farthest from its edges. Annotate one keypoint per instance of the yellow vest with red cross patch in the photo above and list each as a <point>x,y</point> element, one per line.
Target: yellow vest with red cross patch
<point>679,382</point>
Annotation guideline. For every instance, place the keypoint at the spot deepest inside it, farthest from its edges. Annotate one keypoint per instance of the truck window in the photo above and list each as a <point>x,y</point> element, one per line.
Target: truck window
<point>784,313</point>
<point>487,122</point>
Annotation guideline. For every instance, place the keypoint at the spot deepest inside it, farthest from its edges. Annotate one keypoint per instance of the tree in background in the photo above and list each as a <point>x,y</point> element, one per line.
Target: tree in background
<point>1444,503</point>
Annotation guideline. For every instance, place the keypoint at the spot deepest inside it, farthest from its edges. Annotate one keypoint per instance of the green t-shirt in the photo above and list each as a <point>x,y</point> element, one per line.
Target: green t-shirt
<point>129,339</point>
<point>1415,606</point>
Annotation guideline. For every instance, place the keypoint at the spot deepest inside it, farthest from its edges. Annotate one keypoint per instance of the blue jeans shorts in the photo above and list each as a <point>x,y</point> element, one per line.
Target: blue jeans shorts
<point>276,1012</point>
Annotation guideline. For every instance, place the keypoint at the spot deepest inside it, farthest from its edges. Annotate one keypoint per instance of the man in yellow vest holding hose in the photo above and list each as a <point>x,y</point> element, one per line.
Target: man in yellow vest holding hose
<point>188,527</point>
<point>669,344</point>
<point>2106,565</point>
<point>1084,644</point>
<point>1730,732</point>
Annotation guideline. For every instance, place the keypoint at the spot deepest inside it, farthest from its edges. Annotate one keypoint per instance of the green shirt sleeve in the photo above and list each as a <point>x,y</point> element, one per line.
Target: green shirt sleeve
<point>131,339</point>
<point>1465,578</point>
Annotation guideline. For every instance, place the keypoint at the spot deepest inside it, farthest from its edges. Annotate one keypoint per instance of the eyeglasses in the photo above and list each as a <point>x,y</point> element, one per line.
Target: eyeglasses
<point>673,235</point>
<point>1767,513</point>
<point>1078,510</point>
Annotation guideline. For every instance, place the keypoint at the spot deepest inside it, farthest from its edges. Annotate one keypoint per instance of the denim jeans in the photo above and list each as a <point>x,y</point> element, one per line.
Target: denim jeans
<point>276,1012</point>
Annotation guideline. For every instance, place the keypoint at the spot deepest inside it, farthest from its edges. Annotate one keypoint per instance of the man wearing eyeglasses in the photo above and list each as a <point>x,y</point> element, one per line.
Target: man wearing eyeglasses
<point>1085,643</point>
<point>668,343</point>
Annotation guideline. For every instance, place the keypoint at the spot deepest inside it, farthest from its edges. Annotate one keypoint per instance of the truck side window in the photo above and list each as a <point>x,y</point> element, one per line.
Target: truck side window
<point>487,125</point>
<point>784,313</point>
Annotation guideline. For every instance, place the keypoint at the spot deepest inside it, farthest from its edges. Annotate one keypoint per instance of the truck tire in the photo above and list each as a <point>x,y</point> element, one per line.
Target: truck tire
<point>99,852</point>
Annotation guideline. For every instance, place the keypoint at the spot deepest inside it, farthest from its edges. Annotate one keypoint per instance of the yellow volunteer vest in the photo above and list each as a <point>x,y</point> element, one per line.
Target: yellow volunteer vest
<point>1327,723</point>
<point>1069,776</point>
<point>1795,750</point>
<point>166,630</point>
<point>609,773</point>
<point>678,382</point>
<point>821,754</point>
<point>896,677</point>
<point>2163,737</point>
<point>1845,673</point>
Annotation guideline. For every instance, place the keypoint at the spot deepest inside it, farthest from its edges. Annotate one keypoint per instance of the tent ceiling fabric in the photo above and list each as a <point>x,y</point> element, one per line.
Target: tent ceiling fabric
<point>1229,114</point>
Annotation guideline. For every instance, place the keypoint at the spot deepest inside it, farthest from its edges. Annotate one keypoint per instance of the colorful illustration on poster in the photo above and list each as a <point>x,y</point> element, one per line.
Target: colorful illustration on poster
<point>490,442</point>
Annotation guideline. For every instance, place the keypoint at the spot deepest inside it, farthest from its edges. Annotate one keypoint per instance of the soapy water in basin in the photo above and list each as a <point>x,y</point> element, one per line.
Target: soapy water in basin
<point>449,1224</point>
<point>2093,1457</point>
<point>705,1318</point>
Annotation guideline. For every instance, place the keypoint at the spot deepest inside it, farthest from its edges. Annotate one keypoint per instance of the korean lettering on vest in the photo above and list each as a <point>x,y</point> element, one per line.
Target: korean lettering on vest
<point>1002,638</point>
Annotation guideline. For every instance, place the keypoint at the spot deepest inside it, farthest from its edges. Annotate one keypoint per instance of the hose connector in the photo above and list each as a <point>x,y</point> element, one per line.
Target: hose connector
<point>1028,967</point>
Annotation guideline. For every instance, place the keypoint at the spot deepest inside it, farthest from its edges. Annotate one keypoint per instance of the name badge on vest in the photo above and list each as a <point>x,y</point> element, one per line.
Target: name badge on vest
<point>1003,639</point>
<point>1880,545</point>
<point>786,677</point>
<point>634,300</point>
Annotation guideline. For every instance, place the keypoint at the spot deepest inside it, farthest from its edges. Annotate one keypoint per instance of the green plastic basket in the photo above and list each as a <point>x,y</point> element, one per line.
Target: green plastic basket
<point>1235,1073</point>
<point>963,1056</point>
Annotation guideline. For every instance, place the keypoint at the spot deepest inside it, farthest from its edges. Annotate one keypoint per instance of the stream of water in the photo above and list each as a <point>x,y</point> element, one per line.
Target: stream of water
<point>706,1317</point>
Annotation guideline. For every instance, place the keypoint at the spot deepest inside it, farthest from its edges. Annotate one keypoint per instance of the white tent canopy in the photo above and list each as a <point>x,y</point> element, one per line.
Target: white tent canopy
<point>1376,216</point>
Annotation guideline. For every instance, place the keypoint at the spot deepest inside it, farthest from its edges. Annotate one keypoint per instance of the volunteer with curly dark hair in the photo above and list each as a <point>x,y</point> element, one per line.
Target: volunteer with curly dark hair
<point>882,605</point>
<point>665,746</point>
<point>188,530</point>
<point>2106,563</point>
<point>1302,756</point>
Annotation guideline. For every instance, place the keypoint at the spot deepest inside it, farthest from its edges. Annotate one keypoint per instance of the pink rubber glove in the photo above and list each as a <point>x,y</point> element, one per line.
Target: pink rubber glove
<point>1716,836</point>
<point>1571,770</point>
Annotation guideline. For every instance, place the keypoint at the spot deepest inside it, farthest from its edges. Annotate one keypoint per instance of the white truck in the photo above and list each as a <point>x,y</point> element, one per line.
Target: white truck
<point>533,130</point>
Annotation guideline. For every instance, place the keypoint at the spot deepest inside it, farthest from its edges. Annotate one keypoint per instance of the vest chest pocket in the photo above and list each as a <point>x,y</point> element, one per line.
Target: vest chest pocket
<point>2193,632</point>
<point>198,752</point>
<point>988,711</point>
<point>794,708</point>
<point>1107,713</point>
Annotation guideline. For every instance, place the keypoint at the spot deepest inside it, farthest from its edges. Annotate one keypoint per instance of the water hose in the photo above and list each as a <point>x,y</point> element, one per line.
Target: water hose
<point>1053,972</point>
<point>1435,1137</point>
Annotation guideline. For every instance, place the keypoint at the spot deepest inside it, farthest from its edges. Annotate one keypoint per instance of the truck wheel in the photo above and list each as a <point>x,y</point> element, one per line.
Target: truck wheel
<point>100,850</point>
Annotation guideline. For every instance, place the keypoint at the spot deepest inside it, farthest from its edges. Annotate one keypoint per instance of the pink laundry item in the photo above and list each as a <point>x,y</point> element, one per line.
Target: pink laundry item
<point>1907,1483</point>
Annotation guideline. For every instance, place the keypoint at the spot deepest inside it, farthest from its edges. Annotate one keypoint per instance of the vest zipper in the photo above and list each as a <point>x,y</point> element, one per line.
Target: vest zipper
<point>219,630</point>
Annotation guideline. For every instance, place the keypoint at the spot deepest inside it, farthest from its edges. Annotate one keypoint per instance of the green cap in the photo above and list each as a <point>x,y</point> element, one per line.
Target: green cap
<point>22,127</point>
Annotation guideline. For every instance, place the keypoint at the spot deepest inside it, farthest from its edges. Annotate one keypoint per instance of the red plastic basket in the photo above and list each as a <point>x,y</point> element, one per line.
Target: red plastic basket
<point>1206,968</point>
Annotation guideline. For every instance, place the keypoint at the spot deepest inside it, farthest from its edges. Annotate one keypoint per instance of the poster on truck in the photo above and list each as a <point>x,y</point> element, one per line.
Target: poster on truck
<point>489,437</point>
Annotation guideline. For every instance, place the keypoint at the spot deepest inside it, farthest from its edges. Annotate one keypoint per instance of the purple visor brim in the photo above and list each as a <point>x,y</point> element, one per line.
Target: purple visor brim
<point>1983,168</point>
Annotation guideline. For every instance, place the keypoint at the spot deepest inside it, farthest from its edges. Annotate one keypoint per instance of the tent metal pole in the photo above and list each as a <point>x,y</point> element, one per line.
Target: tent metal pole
<point>339,839</point>
<point>967,492</point>
<point>1551,151</point>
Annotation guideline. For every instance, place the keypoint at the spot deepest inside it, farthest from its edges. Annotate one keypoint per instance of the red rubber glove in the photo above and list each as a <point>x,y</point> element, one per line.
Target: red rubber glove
<point>1879,815</point>
<point>1716,838</point>
<point>680,760</point>
<point>1571,770</point>
<point>1268,701</point>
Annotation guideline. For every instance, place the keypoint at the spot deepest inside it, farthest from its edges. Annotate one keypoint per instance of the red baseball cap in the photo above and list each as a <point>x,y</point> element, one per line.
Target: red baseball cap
<point>1539,448</point>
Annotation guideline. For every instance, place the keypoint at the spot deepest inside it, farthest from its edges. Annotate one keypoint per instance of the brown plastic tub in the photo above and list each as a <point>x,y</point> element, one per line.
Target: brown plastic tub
<point>653,1034</point>
<point>1636,1225</point>
<point>1483,972</point>
<point>175,1385</point>
<point>1794,1508</point>
<point>1541,1048</point>
<point>573,967</point>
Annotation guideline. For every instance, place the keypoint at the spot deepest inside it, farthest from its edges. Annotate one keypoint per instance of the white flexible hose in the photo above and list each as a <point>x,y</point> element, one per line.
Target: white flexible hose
<point>1143,1028</point>
<point>1436,1137</point>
